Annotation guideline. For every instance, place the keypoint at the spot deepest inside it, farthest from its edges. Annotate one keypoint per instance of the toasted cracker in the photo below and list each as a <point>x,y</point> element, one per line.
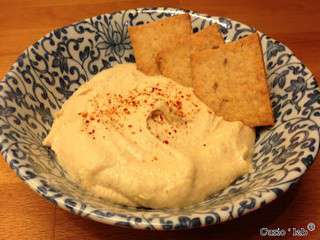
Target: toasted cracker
<point>175,61</point>
<point>209,37</point>
<point>175,64</point>
<point>232,81</point>
<point>149,39</point>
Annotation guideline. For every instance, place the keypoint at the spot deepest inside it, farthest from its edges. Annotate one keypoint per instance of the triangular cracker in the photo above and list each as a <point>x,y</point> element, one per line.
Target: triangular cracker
<point>231,80</point>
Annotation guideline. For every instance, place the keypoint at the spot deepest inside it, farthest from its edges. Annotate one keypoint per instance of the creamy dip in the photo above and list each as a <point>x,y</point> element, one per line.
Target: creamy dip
<point>147,141</point>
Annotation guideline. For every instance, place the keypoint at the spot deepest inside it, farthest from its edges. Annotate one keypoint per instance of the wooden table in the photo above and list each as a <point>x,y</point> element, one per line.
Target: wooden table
<point>25,215</point>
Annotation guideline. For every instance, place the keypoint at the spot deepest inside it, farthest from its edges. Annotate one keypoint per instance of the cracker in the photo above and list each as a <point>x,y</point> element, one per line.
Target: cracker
<point>209,37</point>
<point>149,39</point>
<point>175,61</point>
<point>232,81</point>
<point>175,64</point>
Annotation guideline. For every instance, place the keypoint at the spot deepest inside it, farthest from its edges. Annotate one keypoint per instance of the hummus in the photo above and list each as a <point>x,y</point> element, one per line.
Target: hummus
<point>147,141</point>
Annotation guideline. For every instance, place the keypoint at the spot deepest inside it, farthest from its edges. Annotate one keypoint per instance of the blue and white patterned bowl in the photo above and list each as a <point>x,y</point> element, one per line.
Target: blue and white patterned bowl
<point>47,73</point>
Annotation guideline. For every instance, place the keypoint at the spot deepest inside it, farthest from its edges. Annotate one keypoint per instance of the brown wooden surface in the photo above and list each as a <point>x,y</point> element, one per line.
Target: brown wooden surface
<point>25,215</point>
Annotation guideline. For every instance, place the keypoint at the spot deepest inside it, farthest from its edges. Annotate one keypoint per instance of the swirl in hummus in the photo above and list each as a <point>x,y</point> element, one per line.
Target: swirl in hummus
<point>147,141</point>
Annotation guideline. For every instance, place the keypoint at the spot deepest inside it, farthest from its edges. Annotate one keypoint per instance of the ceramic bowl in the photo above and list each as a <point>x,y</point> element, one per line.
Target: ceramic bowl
<point>50,70</point>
